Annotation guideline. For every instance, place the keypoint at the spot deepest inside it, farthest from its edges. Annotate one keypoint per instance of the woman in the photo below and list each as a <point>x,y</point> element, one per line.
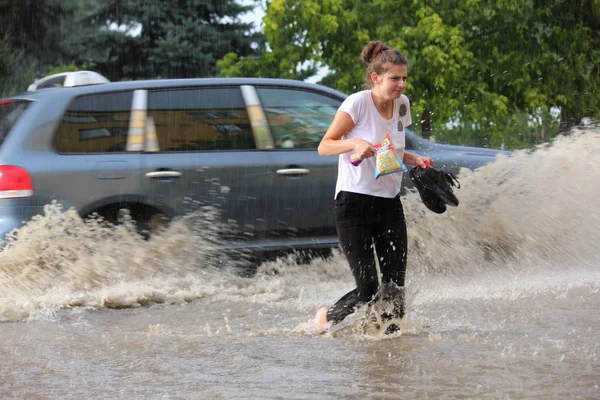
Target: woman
<point>369,215</point>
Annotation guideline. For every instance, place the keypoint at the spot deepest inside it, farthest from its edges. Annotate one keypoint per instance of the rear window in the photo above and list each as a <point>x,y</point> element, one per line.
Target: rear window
<point>96,123</point>
<point>10,111</point>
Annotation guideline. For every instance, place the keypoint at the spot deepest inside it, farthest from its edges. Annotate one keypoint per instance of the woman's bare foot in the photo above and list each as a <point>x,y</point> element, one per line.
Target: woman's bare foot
<point>321,316</point>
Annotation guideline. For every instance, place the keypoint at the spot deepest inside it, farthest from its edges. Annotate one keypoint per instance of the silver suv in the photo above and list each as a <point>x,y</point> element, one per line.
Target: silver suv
<point>164,148</point>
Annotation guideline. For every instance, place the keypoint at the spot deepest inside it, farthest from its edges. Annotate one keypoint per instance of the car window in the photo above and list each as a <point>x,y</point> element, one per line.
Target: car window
<point>10,111</point>
<point>200,119</point>
<point>96,123</point>
<point>298,118</point>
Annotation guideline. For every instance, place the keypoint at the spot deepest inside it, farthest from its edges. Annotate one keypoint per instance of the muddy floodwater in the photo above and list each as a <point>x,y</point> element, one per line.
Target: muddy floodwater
<point>503,300</point>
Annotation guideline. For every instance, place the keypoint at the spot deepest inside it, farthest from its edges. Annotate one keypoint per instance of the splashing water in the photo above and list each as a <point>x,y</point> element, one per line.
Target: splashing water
<point>502,300</point>
<point>536,205</point>
<point>59,260</point>
<point>525,224</point>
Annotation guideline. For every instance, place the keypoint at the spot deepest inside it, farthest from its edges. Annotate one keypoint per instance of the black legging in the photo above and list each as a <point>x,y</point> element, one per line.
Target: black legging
<point>364,221</point>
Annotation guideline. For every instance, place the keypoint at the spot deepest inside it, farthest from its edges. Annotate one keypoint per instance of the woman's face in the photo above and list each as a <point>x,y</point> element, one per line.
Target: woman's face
<point>393,82</point>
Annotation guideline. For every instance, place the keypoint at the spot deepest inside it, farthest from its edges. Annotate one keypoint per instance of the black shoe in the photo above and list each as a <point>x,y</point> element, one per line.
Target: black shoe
<point>435,188</point>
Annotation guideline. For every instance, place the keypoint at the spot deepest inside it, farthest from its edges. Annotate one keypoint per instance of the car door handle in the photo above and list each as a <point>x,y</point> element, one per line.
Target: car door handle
<point>293,171</point>
<point>163,174</point>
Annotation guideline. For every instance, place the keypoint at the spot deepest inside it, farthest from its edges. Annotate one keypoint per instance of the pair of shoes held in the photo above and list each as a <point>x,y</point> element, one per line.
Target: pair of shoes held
<point>435,187</point>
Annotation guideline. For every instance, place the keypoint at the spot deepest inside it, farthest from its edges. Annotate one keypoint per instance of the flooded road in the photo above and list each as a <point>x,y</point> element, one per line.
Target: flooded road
<point>503,295</point>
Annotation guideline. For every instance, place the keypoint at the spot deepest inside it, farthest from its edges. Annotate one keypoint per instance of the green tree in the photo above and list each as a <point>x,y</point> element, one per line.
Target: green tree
<point>538,56</point>
<point>159,38</point>
<point>484,64</point>
<point>31,37</point>
<point>569,53</point>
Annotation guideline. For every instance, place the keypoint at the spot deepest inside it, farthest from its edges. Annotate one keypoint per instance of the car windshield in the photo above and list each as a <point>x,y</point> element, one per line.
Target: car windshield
<point>10,111</point>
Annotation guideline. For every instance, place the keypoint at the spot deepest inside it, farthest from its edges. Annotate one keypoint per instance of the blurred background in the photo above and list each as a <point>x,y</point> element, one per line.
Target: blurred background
<point>506,74</point>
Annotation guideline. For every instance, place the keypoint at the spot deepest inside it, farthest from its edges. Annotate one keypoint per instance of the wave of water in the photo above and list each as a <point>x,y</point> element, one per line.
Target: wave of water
<point>525,224</point>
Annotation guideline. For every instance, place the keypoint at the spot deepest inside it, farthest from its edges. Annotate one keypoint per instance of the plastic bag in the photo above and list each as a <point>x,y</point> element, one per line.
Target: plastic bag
<point>386,159</point>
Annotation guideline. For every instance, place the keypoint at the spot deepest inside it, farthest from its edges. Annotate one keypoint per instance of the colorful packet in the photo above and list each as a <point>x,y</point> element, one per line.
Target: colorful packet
<point>386,159</point>
<point>355,159</point>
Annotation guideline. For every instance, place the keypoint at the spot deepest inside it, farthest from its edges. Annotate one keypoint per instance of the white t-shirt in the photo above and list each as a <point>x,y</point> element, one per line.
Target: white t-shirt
<point>371,126</point>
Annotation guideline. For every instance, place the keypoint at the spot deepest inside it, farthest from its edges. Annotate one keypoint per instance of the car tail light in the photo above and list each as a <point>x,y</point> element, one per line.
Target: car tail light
<point>15,182</point>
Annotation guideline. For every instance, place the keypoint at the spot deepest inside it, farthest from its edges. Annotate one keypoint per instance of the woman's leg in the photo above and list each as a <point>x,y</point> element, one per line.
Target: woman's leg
<point>343,307</point>
<point>356,240</point>
<point>357,244</point>
<point>391,245</point>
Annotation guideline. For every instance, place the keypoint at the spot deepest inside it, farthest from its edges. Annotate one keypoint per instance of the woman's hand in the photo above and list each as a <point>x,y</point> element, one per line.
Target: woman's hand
<point>415,159</point>
<point>422,160</point>
<point>363,148</point>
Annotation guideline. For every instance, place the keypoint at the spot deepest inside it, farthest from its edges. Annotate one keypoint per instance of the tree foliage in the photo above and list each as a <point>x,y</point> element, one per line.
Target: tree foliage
<point>31,37</point>
<point>482,72</point>
<point>122,39</point>
<point>481,64</point>
<point>160,38</point>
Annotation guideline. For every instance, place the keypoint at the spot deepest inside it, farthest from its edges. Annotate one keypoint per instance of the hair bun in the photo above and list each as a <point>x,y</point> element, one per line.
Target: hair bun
<point>371,50</point>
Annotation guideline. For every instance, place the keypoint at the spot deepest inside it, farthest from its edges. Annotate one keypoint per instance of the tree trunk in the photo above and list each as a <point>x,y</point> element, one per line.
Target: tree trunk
<point>426,124</point>
<point>568,120</point>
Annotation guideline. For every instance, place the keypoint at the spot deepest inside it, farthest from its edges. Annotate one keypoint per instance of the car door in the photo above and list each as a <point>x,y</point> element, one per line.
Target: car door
<point>303,181</point>
<point>90,142</point>
<point>206,151</point>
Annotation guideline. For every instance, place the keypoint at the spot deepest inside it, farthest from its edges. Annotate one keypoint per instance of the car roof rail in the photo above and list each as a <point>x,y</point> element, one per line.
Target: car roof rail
<point>68,79</point>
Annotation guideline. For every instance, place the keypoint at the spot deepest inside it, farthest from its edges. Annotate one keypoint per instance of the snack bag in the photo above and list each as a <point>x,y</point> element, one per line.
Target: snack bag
<point>386,159</point>
<point>355,159</point>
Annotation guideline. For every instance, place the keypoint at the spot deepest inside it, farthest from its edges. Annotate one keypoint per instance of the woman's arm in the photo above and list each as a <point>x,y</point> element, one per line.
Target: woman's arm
<point>331,145</point>
<point>415,159</point>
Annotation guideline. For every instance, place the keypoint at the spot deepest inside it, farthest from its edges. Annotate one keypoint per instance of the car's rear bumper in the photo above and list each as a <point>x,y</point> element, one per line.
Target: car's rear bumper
<point>14,213</point>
